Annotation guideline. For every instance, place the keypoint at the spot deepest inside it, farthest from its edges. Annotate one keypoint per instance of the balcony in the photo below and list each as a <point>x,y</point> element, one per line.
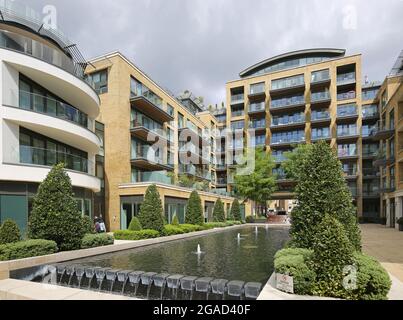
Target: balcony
<point>382,160</point>
<point>48,157</point>
<point>370,173</point>
<point>350,173</point>
<point>346,79</point>
<point>257,92</point>
<point>221,182</point>
<point>286,142</point>
<point>257,126</point>
<point>146,133</point>
<point>347,133</point>
<point>237,99</point>
<point>189,153</point>
<point>388,188</point>
<point>290,103</point>
<point>237,113</point>
<point>155,176</point>
<point>320,99</point>
<point>320,79</point>
<point>323,136</point>
<point>192,170</point>
<point>279,158</point>
<point>290,85</point>
<point>347,114</point>
<point>289,122</point>
<point>369,113</point>
<point>145,158</point>
<point>347,154</point>
<point>369,154</point>
<point>186,133</point>
<point>371,193</point>
<point>381,132</point>
<point>350,95</point>
<point>220,167</point>
<point>145,105</point>
<point>320,118</point>
<point>257,109</point>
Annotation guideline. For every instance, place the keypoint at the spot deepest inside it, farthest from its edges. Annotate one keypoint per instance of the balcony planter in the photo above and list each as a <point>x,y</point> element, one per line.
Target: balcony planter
<point>400,223</point>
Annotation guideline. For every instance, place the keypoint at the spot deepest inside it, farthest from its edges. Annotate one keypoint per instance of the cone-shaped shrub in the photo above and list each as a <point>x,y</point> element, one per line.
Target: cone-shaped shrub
<point>236,211</point>
<point>322,188</point>
<point>194,211</point>
<point>55,215</point>
<point>175,221</point>
<point>150,215</point>
<point>332,252</point>
<point>9,232</point>
<point>135,224</point>
<point>218,212</point>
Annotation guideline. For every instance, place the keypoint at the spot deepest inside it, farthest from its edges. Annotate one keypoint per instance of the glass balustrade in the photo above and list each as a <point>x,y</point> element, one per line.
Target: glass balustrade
<point>320,96</point>
<point>346,78</point>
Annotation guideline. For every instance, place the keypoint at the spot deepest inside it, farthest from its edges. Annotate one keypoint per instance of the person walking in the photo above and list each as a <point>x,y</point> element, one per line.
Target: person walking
<point>97,225</point>
<point>102,225</point>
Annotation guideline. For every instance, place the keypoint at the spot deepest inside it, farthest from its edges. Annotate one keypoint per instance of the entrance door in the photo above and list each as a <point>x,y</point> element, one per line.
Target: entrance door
<point>15,208</point>
<point>392,213</point>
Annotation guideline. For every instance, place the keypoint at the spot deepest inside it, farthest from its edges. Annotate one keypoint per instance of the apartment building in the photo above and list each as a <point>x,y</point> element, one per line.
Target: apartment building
<point>153,137</point>
<point>47,114</point>
<point>306,96</point>
<point>389,133</point>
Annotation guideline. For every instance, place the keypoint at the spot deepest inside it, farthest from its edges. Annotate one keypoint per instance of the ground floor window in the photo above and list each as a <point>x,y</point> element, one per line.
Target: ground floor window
<point>175,207</point>
<point>130,207</point>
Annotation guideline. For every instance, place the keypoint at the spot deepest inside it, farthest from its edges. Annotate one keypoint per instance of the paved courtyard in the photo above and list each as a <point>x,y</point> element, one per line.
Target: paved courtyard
<point>386,245</point>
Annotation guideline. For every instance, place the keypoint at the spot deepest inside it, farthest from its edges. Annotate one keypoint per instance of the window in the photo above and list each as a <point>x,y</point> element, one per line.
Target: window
<point>257,88</point>
<point>288,82</point>
<point>347,150</point>
<point>370,110</point>
<point>181,121</point>
<point>170,110</point>
<point>321,75</point>
<point>320,133</point>
<point>288,119</point>
<point>237,125</point>
<point>346,110</point>
<point>346,130</point>
<point>99,81</point>
<point>369,94</point>
<point>139,89</point>
<point>100,132</point>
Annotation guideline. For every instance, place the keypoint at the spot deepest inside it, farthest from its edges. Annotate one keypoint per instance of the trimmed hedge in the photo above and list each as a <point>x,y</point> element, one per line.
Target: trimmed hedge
<point>191,228</point>
<point>171,230</point>
<point>296,263</point>
<point>212,225</point>
<point>9,232</point>
<point>135,225</point>
<point>136,235</point>
<point>96,240</point>
<point>27,249</point>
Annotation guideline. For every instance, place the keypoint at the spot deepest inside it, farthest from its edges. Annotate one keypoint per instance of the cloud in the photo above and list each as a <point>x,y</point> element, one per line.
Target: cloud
<point>201,44</point>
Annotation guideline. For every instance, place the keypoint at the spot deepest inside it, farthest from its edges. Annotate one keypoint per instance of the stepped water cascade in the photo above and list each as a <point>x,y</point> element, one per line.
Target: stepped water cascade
<point>148,285</point>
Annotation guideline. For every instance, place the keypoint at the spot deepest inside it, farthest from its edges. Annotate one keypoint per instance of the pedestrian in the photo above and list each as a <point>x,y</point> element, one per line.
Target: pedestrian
<point>97,225</point>
<point>102,225</point>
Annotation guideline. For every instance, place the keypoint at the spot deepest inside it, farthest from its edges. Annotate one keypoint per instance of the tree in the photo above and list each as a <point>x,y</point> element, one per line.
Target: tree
<point>135,224</point>
<point>55,215</point>
<point>218,212</point>
<point>259,184</point>
<point>236,211</point>
<point>9,232</point>
<point>332,252</point>
<point>321,189</point>
<point>194,210</point>
<point>294,161</point>
<point>151,214</point>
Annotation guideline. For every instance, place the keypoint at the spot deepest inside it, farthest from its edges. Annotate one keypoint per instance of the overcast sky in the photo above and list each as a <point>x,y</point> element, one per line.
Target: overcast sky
<point>201,44</point>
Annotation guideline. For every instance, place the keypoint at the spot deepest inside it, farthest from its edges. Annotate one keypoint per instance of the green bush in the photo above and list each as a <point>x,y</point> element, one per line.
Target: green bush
<point>296,263</point>
<point>170,230</point>
<point>135,225</point>
<point>212,225</point>
<point>175,221</point>
<point>9,232</point>
<point>373,282</point>
<point>250,219</point>
<point>332,253</point>
<point>55,215</point>
<point>191,227</point>
<point>27,249</point>
<point>322,189</point>
<point>194,210</point>
<point>96,240</point>
<point>136,235</point>
<point>87,225</point>
<point>150,215</point>
<point>218,211</point>
<point>236,211</point>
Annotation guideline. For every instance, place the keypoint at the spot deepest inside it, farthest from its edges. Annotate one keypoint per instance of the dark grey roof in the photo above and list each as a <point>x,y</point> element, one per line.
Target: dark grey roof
<point>398,66</point>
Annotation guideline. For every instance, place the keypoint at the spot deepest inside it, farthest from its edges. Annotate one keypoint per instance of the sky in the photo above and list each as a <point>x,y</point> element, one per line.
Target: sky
<point>200,45</point>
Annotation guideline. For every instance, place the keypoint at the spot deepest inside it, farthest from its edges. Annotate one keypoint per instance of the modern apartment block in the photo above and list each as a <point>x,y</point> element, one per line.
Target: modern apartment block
<point>47,114</point>
<point>389,132</point>
<point>306,96</point>
<point>153,137</point>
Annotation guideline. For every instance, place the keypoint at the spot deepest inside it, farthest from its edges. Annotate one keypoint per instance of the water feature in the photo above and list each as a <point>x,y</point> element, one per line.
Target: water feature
<point>220,268</point>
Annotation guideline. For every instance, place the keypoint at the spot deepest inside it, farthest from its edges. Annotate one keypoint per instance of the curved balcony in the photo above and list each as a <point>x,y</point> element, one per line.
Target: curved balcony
<point>29,164</point>
<point>56,80</point>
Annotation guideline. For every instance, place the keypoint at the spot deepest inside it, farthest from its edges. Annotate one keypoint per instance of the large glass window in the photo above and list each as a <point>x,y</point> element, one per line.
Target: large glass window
<point>288,119</point>
<point>346,130</point>
<point>369,94</point>
<point>40,150</point>
<point>347,150</point>
<point>345,110</point>
<point>99,81</point>
<point>321,75</point>
<point>288,101</point>
<point>370,110</point>
<point>289,136</point>
<point>288,82</point>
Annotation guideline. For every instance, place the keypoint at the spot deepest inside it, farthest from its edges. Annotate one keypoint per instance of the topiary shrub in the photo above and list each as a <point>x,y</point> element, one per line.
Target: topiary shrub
<point>87,225</point>
<point>296,263</point>
<point>151,215</point>
<point>373,282</point>
<point>250,219</point>
<point>55,215</point>
<point>170,230</point>
<point>322,186</point>
<point>96,240</point>
<point>136,235</point>
<point>332,252</point>
<point>218,212</point>
<point>9,232</point>
<point>194,210</point>
<point>191,228</point>
<point>236,211</point>
<point>135,224</point>
<point>175,221</point>
<point>27,249</point>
